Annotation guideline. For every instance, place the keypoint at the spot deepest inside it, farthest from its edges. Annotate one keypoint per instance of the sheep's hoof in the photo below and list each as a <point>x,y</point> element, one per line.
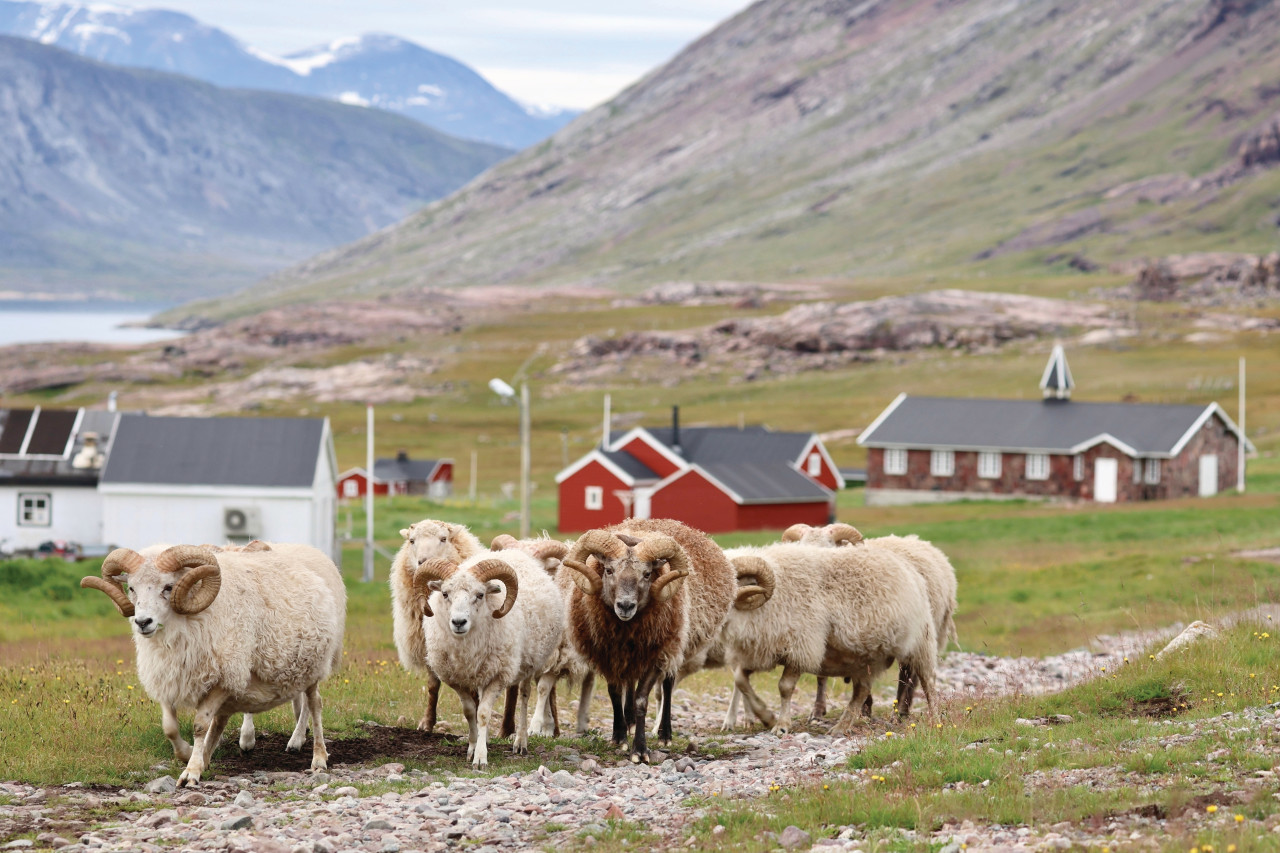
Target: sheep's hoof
<point>517,749</point>
<point>293,747</point>
<point>320,762</point>
<point>818,713</point>
<point>638,758</point>
<point>780,730</point>
<point>188,779</point>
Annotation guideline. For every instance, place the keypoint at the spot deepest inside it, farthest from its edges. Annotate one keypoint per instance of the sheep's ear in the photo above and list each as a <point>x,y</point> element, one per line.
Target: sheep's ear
<point>434,586</point>
<point>404,533</point>
<point>494,587</point>
<point>551,565</point>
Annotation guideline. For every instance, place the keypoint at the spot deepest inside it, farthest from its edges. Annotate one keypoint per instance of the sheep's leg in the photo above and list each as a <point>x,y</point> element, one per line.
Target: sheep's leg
<point>786,688</point>
<point>248,735</point>
<point>844,725</point>
<point>319,752</point>
<point>522,717</point>
<point>169,724</point>
<point>301,715</point>
<point>488,698</point>
<point>584,702</point>
<point>206,721</point>
<point>555,711</point>
<point>539,725</point>
<point>469,702</point>
<point>629,707</point>
<point>742,680</point>
<point>640,698</point>
<point>668,693</point>
<point>731,715</point>
<point>820,700</point>
<point>907,680</point>
<point>617,698</point>
<point>508,728</point>
<point>657,714</point>
<point>428,721</point>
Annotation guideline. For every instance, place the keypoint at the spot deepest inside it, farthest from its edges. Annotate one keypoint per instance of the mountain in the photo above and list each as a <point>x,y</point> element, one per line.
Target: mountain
<point>126,181</point>
<point>373,70</point>
<point>824,138</point>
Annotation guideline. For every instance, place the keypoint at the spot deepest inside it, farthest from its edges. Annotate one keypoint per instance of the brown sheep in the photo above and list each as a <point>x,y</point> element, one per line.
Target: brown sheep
<point>651,594</point>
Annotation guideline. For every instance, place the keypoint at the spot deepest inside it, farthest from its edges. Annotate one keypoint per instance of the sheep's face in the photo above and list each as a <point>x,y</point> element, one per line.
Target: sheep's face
<point>432,540</point>
<point>462,598</point>
<point>625,583</point>
<point>150,591</point>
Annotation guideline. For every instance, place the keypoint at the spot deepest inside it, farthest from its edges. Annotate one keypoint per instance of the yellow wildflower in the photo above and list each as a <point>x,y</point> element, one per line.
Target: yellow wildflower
<point>1239,818</point>
<point>1211,809</point>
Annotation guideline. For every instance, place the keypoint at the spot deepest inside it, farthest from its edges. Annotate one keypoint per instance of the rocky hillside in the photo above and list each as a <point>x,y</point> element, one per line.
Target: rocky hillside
<point>371,70</point>
<point>124,180</point>
<point>808,138</point>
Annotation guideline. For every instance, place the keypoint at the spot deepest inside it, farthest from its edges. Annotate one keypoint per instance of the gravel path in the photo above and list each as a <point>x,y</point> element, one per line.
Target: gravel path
<point>301,813</point>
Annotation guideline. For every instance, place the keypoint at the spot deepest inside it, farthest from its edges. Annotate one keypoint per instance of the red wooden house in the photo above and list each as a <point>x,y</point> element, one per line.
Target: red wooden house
<point>945,448</point>
<point>400,476</point>
<point>716,479</point>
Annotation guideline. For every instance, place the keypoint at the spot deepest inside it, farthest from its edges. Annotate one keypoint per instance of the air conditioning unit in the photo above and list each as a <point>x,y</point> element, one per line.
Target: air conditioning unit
<point>241,522</point>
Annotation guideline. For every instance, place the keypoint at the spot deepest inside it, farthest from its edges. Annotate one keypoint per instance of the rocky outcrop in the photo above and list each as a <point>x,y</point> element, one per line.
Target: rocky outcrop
<point>1218,278</point>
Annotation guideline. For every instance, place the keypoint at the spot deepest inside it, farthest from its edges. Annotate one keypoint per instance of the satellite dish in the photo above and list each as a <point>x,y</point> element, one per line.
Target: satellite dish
<point>501,388</point>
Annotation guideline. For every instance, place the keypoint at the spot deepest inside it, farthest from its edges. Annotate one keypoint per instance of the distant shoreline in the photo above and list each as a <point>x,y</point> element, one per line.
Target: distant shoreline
<point>111,306</point>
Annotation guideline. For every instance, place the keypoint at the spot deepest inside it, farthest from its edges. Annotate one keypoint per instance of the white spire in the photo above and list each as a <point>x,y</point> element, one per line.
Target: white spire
<point>1056,381</point>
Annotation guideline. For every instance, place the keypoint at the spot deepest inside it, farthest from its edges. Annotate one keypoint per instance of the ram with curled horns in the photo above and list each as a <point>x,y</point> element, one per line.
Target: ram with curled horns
<point>226,631</point>
<point>651,594</point>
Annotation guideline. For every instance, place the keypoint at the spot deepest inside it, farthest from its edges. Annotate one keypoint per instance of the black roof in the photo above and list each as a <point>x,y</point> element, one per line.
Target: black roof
<point>766,482</point>
<point>54,443</point>
<point>279,452</point>
<point>403,468</point>
<point>634,468</point>
<point>1054,426</point>
<point>712,445</point>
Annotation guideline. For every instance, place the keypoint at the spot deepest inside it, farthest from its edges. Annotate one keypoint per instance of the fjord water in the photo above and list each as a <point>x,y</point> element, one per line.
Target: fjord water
<point>26,322</point>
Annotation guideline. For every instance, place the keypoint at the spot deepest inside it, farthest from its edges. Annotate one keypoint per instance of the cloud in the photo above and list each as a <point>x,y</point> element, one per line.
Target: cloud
<point>556,87</point>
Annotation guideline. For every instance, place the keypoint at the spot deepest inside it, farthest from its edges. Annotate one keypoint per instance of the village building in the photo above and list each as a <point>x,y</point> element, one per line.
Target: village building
<point>950,448</point>
<point>134,480</point>
<point>400,475</point>
<point>717,479</point>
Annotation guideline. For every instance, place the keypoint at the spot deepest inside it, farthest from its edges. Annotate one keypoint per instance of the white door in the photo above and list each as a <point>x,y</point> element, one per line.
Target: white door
<point>1104,480</point>
<point>1208,476</point>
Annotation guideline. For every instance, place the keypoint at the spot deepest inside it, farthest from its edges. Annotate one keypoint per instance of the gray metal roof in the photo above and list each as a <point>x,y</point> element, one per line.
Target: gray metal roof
<point>271,452</point>
<point>402,468</point>
<point>1054,426</point>
<point>766,482</point>
<point>634,468</point>
<point>28,471</point>
<point>712,445</point>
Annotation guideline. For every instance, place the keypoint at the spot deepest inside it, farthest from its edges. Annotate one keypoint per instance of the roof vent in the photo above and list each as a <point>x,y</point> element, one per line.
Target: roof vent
<point>402,456</point>
<point>1056,383</point>
<point>89,457</point>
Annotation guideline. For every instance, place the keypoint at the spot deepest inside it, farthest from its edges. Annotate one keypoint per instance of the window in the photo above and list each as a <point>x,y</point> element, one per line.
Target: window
<point>595,497</point>
<point>1137,470</point>
<point>815,464</point>
<point>350,488</point>
<point>35,510</point>
<point>989,465</point>
<point>1077,467</point>
<point>1151,472</point>
<point>1037,466</point>
<point>942,463</point>
<point>895,461</point>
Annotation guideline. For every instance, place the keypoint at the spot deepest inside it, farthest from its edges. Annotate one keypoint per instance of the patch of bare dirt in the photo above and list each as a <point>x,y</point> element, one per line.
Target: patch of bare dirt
<point>381,744</point>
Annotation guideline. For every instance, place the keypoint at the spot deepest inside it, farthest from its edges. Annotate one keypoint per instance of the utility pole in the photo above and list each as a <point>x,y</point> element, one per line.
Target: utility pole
<point>524,460</point>
<point>368,495</point>
<point>472,492</point>
<point>1240,451</point>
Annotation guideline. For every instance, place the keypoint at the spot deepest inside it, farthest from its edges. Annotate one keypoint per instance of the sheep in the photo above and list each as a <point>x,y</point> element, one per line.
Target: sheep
<point>934,568</point>
<point>230,631</point>
<point>425,540</point>
<point>833,612</point>
<point>479,651</point>
<point>650,596</point>
<point>568,663</point>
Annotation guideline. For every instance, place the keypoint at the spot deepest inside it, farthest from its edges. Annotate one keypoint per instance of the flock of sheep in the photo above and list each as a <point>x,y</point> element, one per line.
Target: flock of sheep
<point>642,604</point>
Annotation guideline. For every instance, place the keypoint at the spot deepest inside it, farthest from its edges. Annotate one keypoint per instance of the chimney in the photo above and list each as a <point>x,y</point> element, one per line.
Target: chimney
<point>111,402</point>
<point>605,436</point>
<point>675,430</point>
<point>402,456</point>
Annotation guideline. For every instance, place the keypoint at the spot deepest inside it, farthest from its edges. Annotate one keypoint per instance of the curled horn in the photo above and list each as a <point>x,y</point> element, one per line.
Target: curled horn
<point>503,542</point>
<point>844,534</point>
<point>795,532</point>
<point>121,561</point>
<point>594,543</point>
<point>185,599</point>
<point>549,549</point>
<point>664,548</point>
<point>752,596</point>
<point>431,570</point>
<point>490,570</point>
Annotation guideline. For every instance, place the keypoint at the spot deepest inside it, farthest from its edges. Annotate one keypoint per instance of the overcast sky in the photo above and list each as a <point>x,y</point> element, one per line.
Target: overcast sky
<point>573,53</point>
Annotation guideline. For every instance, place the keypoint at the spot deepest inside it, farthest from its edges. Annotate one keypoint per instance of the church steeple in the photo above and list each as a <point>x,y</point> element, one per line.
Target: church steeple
<point>1056,382</point>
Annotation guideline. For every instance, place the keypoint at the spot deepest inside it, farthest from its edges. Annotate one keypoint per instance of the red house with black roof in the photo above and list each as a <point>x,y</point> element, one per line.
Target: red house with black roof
<point>716,479</point>
<point>949,448</point>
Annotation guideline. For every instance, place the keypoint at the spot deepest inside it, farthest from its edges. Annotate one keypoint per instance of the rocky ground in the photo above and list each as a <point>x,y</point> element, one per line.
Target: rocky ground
<point>384,808</point>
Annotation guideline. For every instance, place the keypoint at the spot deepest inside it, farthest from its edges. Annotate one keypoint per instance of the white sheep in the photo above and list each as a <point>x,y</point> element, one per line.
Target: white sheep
<point>225,632</point>
<point>934,568</point>
<point>425,540</point>
<point>480,650</point>
<point>845,612</point>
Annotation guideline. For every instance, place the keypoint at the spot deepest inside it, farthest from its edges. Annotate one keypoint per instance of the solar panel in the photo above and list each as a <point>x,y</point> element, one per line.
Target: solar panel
<point>15,430</point>
<point>52,433</point>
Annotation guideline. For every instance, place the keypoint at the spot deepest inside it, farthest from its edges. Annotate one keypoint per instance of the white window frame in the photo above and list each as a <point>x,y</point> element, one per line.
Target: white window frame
<point>942,463</point>
<point>1077,467</point>
<point>814,464</point>
<point>593,497</point>
<point>895,461</point>
<point>350,488</point>
<point>990,464</point>
<point>1037,466</point>
<point>1151,472</point>
<point>39,516</point>
<point>1137,470</point>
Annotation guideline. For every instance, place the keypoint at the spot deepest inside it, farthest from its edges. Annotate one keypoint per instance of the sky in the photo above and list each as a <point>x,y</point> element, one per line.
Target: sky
<point>569,53</point>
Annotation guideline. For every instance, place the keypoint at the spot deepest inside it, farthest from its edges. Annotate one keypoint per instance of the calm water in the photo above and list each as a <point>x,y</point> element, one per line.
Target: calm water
<point>92,322</point>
